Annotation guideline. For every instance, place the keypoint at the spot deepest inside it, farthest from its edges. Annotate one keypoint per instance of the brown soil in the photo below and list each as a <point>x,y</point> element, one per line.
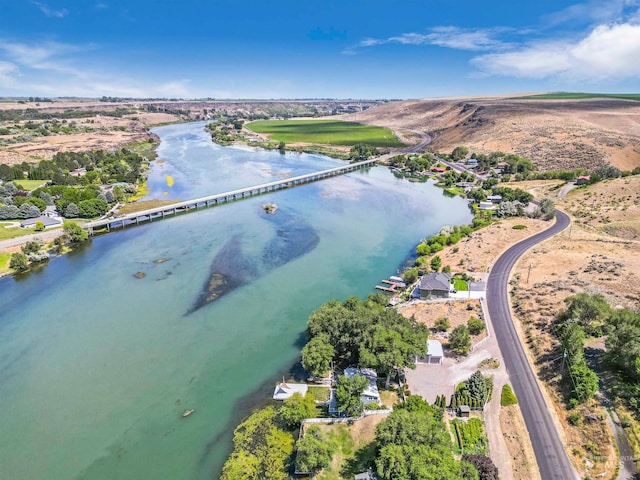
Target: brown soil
<point>521,456</point>
<point>554,134</point>
<point>455,311</point>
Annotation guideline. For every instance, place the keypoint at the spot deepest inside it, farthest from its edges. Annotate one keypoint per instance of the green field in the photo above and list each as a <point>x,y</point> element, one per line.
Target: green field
<point>325,132</point>
<point>5,258</point>
<point>579,96</point>
<point>13,232</point>
<point>30,184</point>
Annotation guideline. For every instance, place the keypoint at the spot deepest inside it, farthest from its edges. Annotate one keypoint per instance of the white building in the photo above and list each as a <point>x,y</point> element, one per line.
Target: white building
<point>435,353</point>
<point>285,390</point>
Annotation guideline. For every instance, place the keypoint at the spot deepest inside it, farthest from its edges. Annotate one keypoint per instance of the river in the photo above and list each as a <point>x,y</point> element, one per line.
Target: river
<point>97,365</point>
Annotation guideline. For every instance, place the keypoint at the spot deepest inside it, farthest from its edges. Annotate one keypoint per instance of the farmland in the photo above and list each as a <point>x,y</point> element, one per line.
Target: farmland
<point>325,132</point>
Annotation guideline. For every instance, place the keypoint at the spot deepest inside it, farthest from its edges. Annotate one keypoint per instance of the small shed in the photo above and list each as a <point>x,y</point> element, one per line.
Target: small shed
<point>435,353</point>
<point>464,411</point>
<point>365,476</point>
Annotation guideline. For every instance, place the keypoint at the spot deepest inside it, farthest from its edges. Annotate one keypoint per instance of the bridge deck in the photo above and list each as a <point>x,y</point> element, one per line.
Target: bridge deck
<point>160,212</point>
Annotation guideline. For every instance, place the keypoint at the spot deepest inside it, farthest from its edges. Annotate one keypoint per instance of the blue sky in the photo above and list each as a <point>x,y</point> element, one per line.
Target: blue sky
<point>317,48</point>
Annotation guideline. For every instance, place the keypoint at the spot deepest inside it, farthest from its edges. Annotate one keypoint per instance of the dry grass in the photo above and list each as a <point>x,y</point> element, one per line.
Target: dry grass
<point>552,133</point>
<point>521,456</point>
<point>144,205</point>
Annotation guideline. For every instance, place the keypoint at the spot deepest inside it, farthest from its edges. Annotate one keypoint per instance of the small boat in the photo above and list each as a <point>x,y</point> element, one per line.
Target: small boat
<point>186,413</point>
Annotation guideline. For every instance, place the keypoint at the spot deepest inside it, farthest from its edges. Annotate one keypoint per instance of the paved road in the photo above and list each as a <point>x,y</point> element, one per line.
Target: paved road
<point>550,454</point>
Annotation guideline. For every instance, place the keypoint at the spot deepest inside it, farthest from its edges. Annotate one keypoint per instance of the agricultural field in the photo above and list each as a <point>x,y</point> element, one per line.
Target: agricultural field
<point>326,132</point>
<point>469,436</point>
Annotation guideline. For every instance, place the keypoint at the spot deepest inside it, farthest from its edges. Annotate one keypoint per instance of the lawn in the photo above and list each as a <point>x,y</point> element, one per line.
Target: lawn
<point>460,285</point>
<point>13,232</point>
<point>30,184</point>
<point>579,96</point>
<point>144,205</point>
<point>320,394</point>
<point>5,258</point>
<point>325,132</point>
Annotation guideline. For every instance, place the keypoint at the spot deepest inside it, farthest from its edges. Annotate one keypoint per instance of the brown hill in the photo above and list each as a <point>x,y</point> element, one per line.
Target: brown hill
<point>552,133</point>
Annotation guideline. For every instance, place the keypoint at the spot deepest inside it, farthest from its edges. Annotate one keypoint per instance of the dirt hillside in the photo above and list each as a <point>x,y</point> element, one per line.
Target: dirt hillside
<point>552,133</point>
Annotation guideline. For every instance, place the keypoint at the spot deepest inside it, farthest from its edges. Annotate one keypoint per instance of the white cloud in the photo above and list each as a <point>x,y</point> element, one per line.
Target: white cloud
<point>595,12</point>
<point>67,73</point>
<point>50,12</point>
<point>608,51</point>
<point>444,36</point>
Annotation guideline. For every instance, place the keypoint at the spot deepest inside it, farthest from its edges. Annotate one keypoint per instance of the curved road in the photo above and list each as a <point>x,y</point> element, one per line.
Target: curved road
<point>550,454</point>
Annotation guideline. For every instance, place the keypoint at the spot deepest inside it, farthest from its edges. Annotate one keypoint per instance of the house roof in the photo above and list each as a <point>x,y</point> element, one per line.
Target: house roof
<point>47,221</point>
<point>434,348</point>
<point>285,390</point>
<point>435,281</point>
<point>464,408</point>
<point>369,374</point>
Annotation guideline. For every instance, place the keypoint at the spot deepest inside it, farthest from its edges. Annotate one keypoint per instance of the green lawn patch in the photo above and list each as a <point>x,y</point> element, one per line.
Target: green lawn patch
<point>325,132</point>
<point>5,258</point>
<point>507,396</point>
<point>469,436</point>
<point>13,232</point>
<point>580,96</point>
<point>320,394</point>
<point>30,184</point>
<point>460,285</point>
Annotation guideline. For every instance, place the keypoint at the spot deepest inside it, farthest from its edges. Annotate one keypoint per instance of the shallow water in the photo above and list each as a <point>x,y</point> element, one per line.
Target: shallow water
<point>96,365</point>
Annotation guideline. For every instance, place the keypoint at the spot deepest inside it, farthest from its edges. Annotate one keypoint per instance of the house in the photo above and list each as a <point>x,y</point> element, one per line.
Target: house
<point>502,167</point>
<point>435,353</point>
<point>365,476</point>
<point>436,284</point>
<point>370,394</point>
<point>47,221</point>
<point>471,163</point>
<point>494,198</point>
<point>583,179</point>
<point>464,411</point>
<point>438,169</point>
<point>486,206</point>
<point>285,390</point>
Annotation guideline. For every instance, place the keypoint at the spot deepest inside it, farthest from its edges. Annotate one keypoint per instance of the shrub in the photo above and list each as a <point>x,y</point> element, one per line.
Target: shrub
<point>519,227</point>
<point>476,326</point>
<point>507,396</point>
<point>19,262</point>
<point>574,418</point>
<point>442,324</point>
<point>460,340</point>
<point>39,226</point>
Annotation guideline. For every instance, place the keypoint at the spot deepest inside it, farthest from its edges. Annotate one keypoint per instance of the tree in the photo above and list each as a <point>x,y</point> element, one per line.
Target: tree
<point>623,342</point>
<point>362,151</point>
<point>260,449</point>
<point>19,262</point>
<point>295,409</point>
<point>585,381</point>
<point>74,232</point>
<point>459,153</point>
<point>32,246</point>
<point>547,209</point>
<point>28,210</point>
<point>282,147</point>
<point>476,326</point>
<point>348,394</point>
<point>478,386</point>
<point>442,324</point>
<point>508,209</point>
<point>572,337</point>
<point>460,340</point>
<point>317,355</point>
<point>314,451</point>
<point>72,211</point>
<point>590,310</point>
<point>484,465</point>
<point>39,226</point>
<point>436,263</point>
<point>8,212</point>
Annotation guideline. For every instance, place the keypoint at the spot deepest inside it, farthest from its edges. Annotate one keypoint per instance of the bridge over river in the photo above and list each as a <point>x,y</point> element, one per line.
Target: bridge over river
<point>122,221</point>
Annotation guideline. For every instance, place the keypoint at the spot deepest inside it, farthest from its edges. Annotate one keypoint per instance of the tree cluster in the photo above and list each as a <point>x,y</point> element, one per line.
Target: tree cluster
<point>261,449</point>
<point>362,151</point>
<point>362,333</point>
<point>413,442</point>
